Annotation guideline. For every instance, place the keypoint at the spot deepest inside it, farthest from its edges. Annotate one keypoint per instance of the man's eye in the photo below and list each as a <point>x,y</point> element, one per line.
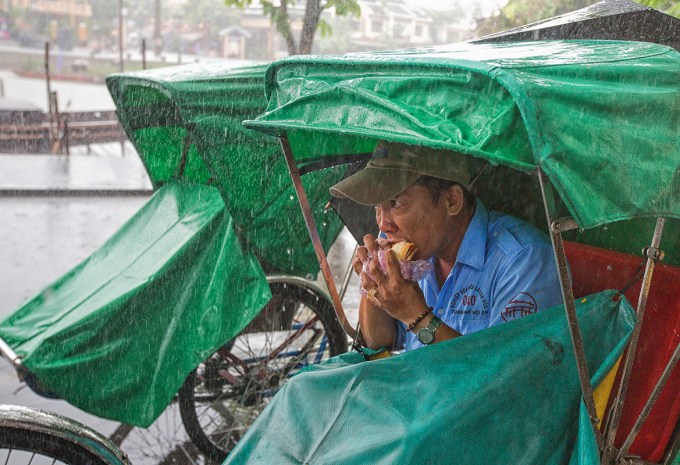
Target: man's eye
<point>394,203</point>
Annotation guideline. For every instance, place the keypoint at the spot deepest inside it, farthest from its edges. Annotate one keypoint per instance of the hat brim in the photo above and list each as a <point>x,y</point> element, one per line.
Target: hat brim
<point>372,186</point>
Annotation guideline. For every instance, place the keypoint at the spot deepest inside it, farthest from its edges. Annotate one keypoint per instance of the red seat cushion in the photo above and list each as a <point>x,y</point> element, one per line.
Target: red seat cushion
<point>594,270</point>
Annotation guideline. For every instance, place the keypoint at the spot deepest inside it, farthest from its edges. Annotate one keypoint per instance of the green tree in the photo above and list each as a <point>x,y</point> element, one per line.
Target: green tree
<point>518,13</point>
<point>311,20</point>
<point>670,7</point>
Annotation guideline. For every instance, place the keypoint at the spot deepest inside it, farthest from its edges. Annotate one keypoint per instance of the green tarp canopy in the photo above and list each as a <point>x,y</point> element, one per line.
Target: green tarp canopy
<point>600,118</point>
<point>117,335</point>
<point>508,394</point>
<point>199,109</point>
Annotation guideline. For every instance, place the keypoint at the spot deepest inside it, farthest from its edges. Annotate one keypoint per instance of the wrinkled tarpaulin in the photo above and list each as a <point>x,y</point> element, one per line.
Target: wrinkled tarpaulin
<point>117,335</point>
<point>586,112</point>
<point>507,394</point>
<point>207,103</point>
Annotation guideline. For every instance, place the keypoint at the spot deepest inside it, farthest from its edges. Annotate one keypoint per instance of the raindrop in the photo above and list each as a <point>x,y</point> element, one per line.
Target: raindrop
<point>609,267</point>
<point>605,228</point>
<point>310,276</point>
<point>291,197</point>
<point>288,251</point>
<point>581,231</point>
<point>324,224</point>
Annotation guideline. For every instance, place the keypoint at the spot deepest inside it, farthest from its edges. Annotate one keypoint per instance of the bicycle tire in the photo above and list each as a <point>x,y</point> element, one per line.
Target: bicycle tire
<point>205,397</point>
<point>164,442</point>
<point>48,435</point>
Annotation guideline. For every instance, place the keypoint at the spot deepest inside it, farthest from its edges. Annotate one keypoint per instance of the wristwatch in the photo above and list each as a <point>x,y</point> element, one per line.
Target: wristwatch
<point>426,335</point>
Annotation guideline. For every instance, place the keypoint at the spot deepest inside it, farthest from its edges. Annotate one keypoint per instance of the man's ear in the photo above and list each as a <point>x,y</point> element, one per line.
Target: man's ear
<point>455,199</point>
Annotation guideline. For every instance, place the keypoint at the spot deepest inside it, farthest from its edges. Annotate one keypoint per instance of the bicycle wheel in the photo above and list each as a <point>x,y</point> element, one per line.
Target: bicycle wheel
<point>36,437</point>
<point>164,442</point>
<point>225,394</point>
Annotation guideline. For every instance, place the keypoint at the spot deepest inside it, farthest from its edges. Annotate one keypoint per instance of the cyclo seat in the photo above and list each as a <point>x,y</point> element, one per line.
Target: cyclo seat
<point>594,270</point>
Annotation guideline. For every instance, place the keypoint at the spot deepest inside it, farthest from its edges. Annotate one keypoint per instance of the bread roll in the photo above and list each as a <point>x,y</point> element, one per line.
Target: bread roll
<point>404,250</point>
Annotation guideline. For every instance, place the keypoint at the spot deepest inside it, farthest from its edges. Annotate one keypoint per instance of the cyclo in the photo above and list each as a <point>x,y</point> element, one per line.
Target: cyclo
<point>200,307</point>
<point>583,133</point>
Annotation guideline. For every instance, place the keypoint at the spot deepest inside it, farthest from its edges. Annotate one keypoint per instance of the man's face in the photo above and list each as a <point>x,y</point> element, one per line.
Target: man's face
<point>412,216</point>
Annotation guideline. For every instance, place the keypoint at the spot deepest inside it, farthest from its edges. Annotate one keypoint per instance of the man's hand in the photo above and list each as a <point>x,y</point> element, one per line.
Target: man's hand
<point>402,300</point>
<point>372,245</point>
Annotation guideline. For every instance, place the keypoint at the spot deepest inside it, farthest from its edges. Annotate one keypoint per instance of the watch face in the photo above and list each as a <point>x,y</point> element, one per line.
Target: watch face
<point>425,336</point>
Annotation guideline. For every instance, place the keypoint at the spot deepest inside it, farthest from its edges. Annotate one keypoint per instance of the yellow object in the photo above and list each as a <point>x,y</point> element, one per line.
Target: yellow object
<point>381,354</point>
<point>601,394</point>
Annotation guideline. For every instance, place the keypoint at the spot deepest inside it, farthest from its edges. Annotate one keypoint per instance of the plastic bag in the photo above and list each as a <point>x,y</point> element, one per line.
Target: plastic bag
<point>410,270</point>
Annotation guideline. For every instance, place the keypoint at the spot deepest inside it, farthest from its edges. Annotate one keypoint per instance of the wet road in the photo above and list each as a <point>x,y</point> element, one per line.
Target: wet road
<point>44,237</point>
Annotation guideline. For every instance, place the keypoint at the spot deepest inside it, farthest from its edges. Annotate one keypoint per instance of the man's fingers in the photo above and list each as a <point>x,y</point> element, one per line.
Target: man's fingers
<point>357,265</point>
<point>376,273</point>
<point>383,243</point>
<point>371,244</point>
<point>393,269</point>
<point>366,282</point>
<point>358,260</point>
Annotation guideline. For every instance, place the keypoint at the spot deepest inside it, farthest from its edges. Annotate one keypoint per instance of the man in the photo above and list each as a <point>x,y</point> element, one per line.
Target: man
<point>488,267</point>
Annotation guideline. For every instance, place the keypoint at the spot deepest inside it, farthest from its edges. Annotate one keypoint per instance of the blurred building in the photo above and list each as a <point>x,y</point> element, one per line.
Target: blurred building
<point>391,21</point>
<point>265,41</point>
<point>383,24</point>
<point>75,10</point>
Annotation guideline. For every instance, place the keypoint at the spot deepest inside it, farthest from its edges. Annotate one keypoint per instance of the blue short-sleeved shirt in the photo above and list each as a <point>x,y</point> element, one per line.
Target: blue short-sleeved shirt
<point>505,270</point>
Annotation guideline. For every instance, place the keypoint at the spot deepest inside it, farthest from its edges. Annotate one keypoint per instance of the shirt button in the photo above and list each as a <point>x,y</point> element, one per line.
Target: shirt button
<point>440,311</point>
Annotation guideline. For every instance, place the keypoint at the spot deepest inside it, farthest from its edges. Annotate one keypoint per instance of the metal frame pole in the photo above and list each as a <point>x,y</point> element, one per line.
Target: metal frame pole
<point>649,404</point>
<point>610,434</point>
<point>7,352</point>
<point>673,446</point>
<point>120,34</point>
<point>314,234</point>
<point>49,93</point>
<point>568,299</point>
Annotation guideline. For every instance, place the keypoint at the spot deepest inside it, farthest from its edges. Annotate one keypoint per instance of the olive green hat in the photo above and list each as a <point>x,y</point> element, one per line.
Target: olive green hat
<point>394,167</point>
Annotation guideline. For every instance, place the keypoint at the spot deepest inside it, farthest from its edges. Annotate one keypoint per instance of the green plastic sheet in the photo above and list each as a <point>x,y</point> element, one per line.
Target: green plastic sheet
<point>507,394</point>
<point>600,118</point>
<point>118,334</point>
<point>200,108</point>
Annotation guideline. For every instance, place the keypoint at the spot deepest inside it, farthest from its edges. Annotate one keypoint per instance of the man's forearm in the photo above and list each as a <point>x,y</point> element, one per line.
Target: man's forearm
<point>378,328</point>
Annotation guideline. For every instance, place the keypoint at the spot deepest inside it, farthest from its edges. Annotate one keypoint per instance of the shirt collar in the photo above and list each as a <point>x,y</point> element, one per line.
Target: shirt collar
<point>472,249</point>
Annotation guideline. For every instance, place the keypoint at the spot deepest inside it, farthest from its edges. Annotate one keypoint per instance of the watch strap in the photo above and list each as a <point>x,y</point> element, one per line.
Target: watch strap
<point>434,323</point>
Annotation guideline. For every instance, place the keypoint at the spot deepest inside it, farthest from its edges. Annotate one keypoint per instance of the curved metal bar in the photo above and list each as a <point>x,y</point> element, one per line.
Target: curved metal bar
<point>649,404</point>
<point>569,306</point>
<point>31,419</point>
<point>300,282</point>
<point>632,345</point>
<point>314,234</point>
<point>7,352</point>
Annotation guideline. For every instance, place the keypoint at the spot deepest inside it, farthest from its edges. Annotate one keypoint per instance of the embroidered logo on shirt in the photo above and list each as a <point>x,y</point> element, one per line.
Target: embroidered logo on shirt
<point>472,299</point>
<point>520,305</point>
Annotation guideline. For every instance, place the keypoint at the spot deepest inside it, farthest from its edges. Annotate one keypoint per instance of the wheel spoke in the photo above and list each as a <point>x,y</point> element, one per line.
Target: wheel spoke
<point>289,334</point>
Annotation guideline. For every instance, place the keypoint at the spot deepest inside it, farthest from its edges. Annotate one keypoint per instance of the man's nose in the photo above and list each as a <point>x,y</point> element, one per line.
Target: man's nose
<point>385,222</point>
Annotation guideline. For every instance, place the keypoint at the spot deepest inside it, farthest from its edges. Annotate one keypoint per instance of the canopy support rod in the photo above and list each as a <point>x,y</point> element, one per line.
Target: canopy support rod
<point>7,352</point>
<point>673,446</point>
<point>314,234</point>
<point>569,306</point>
<point>650,403</point>
<point>610,434</point>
